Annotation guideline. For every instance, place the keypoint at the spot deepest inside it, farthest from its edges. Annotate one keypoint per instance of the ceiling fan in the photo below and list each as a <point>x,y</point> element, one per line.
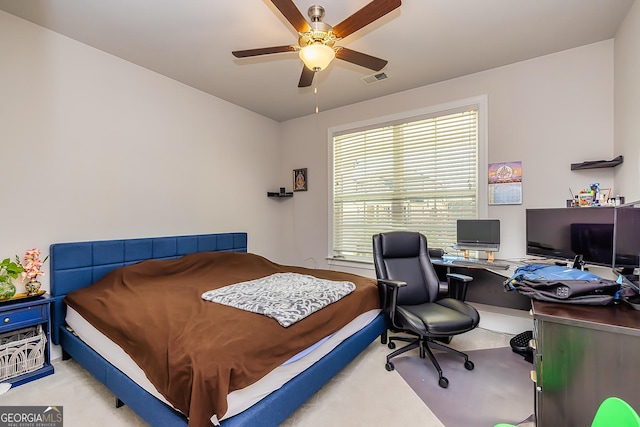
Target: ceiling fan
<point>317,42</point>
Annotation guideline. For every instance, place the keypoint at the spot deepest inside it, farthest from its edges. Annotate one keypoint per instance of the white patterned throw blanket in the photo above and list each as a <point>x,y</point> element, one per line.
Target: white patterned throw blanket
<point>285,297</point>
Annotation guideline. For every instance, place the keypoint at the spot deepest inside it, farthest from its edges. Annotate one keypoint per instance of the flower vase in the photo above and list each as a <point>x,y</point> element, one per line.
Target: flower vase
<point>33,286</point>
<point>7,288</point>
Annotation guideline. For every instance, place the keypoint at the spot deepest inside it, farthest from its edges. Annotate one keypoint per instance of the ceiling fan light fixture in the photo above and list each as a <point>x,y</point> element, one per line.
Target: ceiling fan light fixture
<point>317,56</point>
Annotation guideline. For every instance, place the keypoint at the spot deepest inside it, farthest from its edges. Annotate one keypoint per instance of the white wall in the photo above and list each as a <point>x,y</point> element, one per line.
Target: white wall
<point>94,147</point>
<point>98,148</point>
<point>627,104</point>
<point>547,112</point>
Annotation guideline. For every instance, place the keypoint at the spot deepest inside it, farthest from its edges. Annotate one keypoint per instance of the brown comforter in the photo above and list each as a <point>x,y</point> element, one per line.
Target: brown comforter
<point>195,352</point>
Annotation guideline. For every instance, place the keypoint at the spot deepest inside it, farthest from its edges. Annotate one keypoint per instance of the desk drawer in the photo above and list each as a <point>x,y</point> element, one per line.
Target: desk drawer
<point>23,317</point>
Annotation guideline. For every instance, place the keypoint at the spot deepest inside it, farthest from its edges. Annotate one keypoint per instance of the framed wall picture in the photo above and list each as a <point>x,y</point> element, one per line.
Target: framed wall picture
<point>300,179</point>
<point>505,183</point>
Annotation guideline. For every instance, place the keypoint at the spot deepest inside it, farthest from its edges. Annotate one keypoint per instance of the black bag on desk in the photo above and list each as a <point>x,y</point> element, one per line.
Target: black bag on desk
<point>563,285</point>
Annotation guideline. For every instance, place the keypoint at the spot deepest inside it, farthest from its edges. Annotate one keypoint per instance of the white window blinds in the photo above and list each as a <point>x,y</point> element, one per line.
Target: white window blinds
<point>418,175</point>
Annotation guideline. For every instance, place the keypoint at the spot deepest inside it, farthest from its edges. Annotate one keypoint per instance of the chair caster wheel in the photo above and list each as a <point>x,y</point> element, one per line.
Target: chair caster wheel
<point>443,382</point>
<point>468,365</point>
<point>389,366</point>
<point>391,345</point>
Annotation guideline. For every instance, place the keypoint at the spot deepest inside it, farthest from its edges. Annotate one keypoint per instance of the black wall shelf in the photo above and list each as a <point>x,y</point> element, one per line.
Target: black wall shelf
<point>596,164</point>
<point>279,195</point>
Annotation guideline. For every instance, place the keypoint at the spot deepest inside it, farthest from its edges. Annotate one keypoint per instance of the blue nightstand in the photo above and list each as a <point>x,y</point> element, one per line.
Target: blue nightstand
<point>25,327</point>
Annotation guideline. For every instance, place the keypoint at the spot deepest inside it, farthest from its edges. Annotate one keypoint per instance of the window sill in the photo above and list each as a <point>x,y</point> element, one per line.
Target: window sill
<point>341,262</point>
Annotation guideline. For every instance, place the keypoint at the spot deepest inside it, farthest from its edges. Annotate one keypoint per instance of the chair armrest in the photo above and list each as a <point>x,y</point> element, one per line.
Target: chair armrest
<point>388,290</point>
<point>392,283</point>
<point>443,289</point>
<point>460,277</point>
<point>458,285</point>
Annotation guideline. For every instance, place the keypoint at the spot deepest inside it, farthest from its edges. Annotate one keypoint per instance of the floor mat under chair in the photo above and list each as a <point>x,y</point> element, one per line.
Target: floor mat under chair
<point>498,390</point>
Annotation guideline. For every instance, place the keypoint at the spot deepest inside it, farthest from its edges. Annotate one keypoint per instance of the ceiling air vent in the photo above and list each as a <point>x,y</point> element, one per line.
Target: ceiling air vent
<point>373,78</point>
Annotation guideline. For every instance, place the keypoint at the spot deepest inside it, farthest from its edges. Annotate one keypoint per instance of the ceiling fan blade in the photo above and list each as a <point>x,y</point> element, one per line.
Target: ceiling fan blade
<point>361,59</point>
<point>306,78</point>
<point>374,10</point>
<point>262,51</point>
<point>290,11</point>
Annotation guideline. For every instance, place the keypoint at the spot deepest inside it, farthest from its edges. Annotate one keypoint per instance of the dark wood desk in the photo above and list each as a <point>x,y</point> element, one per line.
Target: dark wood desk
<point>487,286</point>
<point>583,354</point>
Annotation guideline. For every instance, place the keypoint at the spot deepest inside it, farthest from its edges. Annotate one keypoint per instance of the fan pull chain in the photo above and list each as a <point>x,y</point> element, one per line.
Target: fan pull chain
<point>315,94</point>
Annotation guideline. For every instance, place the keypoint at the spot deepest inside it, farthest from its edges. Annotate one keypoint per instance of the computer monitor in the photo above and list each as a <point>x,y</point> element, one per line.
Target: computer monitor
<point>592,242</point>
<point>626,242</point>
<point>478,235</point>
<point>567,233</point>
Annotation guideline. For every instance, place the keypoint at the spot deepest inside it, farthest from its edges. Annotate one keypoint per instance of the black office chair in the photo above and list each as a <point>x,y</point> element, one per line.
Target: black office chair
<point>413,298</point>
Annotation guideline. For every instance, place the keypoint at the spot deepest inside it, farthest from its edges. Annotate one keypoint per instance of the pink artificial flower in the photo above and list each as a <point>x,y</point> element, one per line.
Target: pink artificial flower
<point>32,264</point>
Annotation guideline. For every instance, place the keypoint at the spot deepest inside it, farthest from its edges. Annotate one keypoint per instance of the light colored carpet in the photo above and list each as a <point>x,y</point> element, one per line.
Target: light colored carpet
<point>363,394</point>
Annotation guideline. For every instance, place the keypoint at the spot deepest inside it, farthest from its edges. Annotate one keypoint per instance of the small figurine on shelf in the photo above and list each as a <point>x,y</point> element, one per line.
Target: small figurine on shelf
<point>32,269</point>
<point>595,191</point>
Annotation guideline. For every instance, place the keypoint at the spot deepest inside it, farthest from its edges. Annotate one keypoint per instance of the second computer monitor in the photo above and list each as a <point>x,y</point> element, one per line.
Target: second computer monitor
<point>478,235</point>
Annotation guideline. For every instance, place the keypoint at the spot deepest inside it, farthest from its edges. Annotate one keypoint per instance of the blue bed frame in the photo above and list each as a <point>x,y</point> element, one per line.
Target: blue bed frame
<point>79,264</point>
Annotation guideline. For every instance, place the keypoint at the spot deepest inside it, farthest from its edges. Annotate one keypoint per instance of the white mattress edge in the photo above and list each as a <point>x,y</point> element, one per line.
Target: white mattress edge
<point>238,400</point>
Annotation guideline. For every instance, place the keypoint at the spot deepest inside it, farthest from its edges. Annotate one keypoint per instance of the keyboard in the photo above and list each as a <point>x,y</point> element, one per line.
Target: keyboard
<point>480,263</point>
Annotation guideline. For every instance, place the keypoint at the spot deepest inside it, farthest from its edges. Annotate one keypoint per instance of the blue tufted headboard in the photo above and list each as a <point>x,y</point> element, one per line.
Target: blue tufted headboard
<point>79,264</point>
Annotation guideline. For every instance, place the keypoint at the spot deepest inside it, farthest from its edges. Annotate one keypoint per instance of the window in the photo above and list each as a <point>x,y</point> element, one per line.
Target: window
<point>416,173</point>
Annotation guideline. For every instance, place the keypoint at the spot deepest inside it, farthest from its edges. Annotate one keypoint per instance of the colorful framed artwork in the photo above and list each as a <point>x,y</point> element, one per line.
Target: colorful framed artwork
<point>300,179</point>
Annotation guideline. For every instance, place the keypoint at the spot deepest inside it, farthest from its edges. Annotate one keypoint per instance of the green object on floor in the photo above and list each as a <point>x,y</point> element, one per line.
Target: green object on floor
<point>613,412</point>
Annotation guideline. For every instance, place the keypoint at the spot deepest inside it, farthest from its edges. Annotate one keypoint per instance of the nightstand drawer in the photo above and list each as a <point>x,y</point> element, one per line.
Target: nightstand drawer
<point>23,317</point>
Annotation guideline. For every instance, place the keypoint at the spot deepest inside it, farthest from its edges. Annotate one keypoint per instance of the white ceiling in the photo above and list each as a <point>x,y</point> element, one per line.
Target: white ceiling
<point>425,41</point>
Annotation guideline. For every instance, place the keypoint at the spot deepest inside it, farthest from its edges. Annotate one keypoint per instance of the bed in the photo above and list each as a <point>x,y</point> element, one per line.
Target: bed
<point>77,265</point>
